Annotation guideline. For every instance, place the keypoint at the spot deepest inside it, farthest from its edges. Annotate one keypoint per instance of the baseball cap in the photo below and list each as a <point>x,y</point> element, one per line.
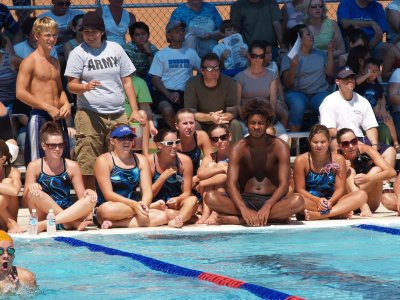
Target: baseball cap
<point>344,73</point>
<point>172,24</point>
<point>121,131</point>
<point>94,20</point>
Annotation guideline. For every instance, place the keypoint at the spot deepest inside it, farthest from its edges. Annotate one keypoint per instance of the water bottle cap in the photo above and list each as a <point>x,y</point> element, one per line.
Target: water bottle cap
<point>50,210</point>
<point>34,210</point>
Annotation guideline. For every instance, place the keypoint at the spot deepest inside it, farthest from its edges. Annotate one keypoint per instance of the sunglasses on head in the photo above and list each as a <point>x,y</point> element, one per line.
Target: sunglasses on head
<point>10,251</point>
<point>347,144</point>
<point>55,146</point>
<point>222,137</point>
<point>257,56</point>
<point>66,3</point>
<point>171,143</point>
<point>128,137</point>
<point>210,69</point>
<point>316,6</point>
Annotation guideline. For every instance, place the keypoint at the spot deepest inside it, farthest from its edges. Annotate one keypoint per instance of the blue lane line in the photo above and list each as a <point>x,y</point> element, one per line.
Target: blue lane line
<point>158,265</point>
<point>388,230</point>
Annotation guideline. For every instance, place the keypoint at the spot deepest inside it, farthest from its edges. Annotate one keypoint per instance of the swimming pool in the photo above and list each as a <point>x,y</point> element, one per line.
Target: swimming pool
<point>337,263</point>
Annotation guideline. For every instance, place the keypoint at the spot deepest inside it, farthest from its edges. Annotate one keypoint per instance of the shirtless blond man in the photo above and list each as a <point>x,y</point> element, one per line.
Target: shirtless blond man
<point>39,86</point>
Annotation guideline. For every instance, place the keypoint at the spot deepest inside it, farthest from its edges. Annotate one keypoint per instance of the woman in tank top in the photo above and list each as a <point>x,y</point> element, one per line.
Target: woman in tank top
<point>77,34</point>
<point>172,179</point>
<point>49,180</point>
<point>119,174</point>
<point>117,21</point>
<point>320,177</point>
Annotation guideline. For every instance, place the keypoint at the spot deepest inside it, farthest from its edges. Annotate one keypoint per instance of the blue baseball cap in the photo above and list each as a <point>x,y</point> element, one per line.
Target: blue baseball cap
<point>121,131</point>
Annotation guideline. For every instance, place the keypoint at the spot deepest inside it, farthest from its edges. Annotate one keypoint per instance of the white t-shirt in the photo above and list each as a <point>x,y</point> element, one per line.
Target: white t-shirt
<point>336,112</point>
<point>23,49</point>
<point>107,64</point>
<point>175,66</point>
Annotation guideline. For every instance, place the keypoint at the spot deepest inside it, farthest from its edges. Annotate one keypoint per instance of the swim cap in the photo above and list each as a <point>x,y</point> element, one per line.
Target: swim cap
<point>4,236</point>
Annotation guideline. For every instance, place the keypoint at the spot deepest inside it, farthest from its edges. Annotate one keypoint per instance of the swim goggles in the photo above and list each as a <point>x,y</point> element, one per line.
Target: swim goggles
<point>10,251</point>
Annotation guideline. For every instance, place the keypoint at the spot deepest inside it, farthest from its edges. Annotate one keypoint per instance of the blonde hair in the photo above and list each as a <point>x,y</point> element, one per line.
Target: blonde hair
<point>44,24</point>
<point>304,7</point>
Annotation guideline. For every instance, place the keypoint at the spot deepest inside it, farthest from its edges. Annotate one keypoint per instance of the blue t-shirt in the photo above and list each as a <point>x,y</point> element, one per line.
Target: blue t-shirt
<point>348,9</point>
<point>204,18</point>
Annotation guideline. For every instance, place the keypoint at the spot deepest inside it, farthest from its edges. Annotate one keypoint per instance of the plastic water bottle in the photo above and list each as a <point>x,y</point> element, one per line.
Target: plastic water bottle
<point>33,223</point>
<point>51,223</point>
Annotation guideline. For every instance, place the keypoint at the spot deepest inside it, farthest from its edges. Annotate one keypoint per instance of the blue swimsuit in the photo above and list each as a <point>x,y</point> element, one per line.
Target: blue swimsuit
<point>195,155</point>
<point>321,185</point>
<point>58,187</point>
<point>173,185</point>
<point>123,181</point>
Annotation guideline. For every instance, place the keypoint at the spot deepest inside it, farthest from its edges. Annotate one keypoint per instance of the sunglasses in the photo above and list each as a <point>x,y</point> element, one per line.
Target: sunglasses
<point>129,137</point>
<point>67,3</point>
<point>10,251</point>
<point>55,146</point>
<point>257,56</point>
<point>215,139</point>
<point>210,69</point>
<point>316,6</point>
<point>171,143</point>
<point>347,144</point>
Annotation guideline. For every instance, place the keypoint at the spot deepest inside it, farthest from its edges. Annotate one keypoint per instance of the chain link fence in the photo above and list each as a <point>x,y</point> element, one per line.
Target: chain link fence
<point>153,12</point>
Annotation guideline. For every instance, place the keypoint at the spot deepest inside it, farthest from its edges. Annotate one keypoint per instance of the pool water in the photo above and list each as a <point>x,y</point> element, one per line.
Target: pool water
<point>336,263</point>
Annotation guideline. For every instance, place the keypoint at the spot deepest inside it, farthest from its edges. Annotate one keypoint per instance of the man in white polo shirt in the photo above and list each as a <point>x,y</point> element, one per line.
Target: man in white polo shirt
<point>347,109</point>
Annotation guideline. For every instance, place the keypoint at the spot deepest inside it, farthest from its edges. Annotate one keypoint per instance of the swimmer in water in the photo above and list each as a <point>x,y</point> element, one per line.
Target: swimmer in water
<point>12,278</point>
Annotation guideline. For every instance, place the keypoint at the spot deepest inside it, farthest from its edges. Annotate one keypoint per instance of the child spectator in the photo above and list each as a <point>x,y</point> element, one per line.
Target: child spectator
<point>230,65</point>
<point>140,50</point>
<point>354,37</point>
<point>369,87</point>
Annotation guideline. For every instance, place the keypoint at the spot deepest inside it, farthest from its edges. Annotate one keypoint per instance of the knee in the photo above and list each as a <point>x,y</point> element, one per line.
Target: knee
<point>88,202</point>
<point>211,198</point>
<point>104,211</point>
<point>191,201</point>
<point>361,196</point>
<point>297,202</point>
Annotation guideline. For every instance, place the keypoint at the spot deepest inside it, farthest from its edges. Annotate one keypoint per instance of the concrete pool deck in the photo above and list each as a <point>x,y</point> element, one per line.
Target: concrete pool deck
<point>382,217</point>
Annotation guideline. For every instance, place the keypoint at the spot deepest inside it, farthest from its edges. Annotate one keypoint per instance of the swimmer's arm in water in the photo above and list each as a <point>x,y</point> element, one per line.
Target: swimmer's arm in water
<point>27,278</point>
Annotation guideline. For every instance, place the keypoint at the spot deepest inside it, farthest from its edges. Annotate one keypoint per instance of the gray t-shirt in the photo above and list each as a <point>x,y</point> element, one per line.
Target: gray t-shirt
<point>310,75</point>
<point>107,64</point>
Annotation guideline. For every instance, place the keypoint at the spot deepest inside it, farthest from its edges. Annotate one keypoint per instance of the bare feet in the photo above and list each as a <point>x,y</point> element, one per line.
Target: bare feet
<point>312,215</point>
<point>176,222</point>
<point>229,220</point>
<point>202,220</point>
<point>347,216</point>
<point>160,204</point>
<point>212,219</point>
<point>106,224</point>
<point>365,211</point>
<point>85,223</point>
<point>14,228</point>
